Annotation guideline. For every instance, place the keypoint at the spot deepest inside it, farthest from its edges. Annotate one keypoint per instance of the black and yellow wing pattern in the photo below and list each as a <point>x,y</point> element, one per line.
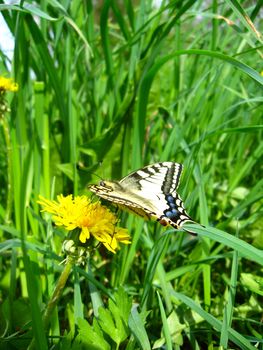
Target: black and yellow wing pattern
<point>149,192</point>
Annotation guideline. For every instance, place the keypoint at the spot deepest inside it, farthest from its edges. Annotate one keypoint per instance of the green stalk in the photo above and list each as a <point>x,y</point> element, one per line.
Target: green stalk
<point>9,199</point>
<point>55,296</point>
<point>58,291</point>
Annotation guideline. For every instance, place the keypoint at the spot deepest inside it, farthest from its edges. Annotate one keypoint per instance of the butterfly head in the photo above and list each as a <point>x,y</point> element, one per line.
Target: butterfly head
<point>104,187</point>
<point>107,185</point>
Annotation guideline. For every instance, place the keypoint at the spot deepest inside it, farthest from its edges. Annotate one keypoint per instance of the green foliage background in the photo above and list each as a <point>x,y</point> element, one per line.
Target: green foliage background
<point>128,83</point>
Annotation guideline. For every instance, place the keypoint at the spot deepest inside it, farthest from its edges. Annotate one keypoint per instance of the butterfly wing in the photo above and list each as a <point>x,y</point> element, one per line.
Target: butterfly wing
<point>125,199</point>
<point>157,185</point>
<point>161,177</point>
<point>149,192</point>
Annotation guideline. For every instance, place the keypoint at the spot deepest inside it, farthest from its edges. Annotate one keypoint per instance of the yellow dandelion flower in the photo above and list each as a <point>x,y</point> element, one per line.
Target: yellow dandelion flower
<point>7,84</point>
<point>92,218</point>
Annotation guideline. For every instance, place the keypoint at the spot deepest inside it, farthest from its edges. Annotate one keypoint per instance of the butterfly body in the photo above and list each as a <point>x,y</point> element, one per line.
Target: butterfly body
<point>149,192</point>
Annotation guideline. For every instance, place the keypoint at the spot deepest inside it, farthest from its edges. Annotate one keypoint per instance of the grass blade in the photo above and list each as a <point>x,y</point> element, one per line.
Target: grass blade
<point>245,249</point>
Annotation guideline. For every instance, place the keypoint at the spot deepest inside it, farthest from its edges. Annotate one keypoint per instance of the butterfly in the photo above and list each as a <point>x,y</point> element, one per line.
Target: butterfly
<point>149,192</point>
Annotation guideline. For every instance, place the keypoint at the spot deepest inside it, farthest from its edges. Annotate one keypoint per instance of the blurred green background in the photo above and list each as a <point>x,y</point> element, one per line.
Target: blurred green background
<point>105,88</point>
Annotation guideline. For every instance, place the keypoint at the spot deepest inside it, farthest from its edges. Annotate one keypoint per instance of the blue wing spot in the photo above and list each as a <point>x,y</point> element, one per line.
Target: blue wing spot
<point>169,214</point>
<point>171,201</point>
<point>170,198</point>
<point>172,213</point>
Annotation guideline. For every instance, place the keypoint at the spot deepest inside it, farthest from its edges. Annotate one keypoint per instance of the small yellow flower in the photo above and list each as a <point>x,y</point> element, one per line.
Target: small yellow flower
<point>7,84</point>
<point>92,218</point>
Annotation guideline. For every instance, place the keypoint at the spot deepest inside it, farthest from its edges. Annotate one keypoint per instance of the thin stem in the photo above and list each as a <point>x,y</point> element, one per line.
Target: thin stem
<point>57,292</point>
<point>55,296</point>
<point>9,199</point>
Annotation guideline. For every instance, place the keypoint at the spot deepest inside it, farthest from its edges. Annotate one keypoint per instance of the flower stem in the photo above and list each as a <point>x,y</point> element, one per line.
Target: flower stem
<point>9,200</point>
<point>55,296</point>
<point>57,292</point>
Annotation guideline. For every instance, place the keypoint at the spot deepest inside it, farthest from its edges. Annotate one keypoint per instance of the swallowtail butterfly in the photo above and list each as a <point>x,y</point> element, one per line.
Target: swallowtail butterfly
<point>149,192</point>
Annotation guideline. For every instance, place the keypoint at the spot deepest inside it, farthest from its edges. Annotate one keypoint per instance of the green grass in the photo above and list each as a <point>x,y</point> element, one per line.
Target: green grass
<point>104,90</point>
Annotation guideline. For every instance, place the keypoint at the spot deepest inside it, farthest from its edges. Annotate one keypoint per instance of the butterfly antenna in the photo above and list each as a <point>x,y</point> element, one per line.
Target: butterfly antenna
<point>99,164</point>
<point>88,169</point>
<point>98,176</point>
